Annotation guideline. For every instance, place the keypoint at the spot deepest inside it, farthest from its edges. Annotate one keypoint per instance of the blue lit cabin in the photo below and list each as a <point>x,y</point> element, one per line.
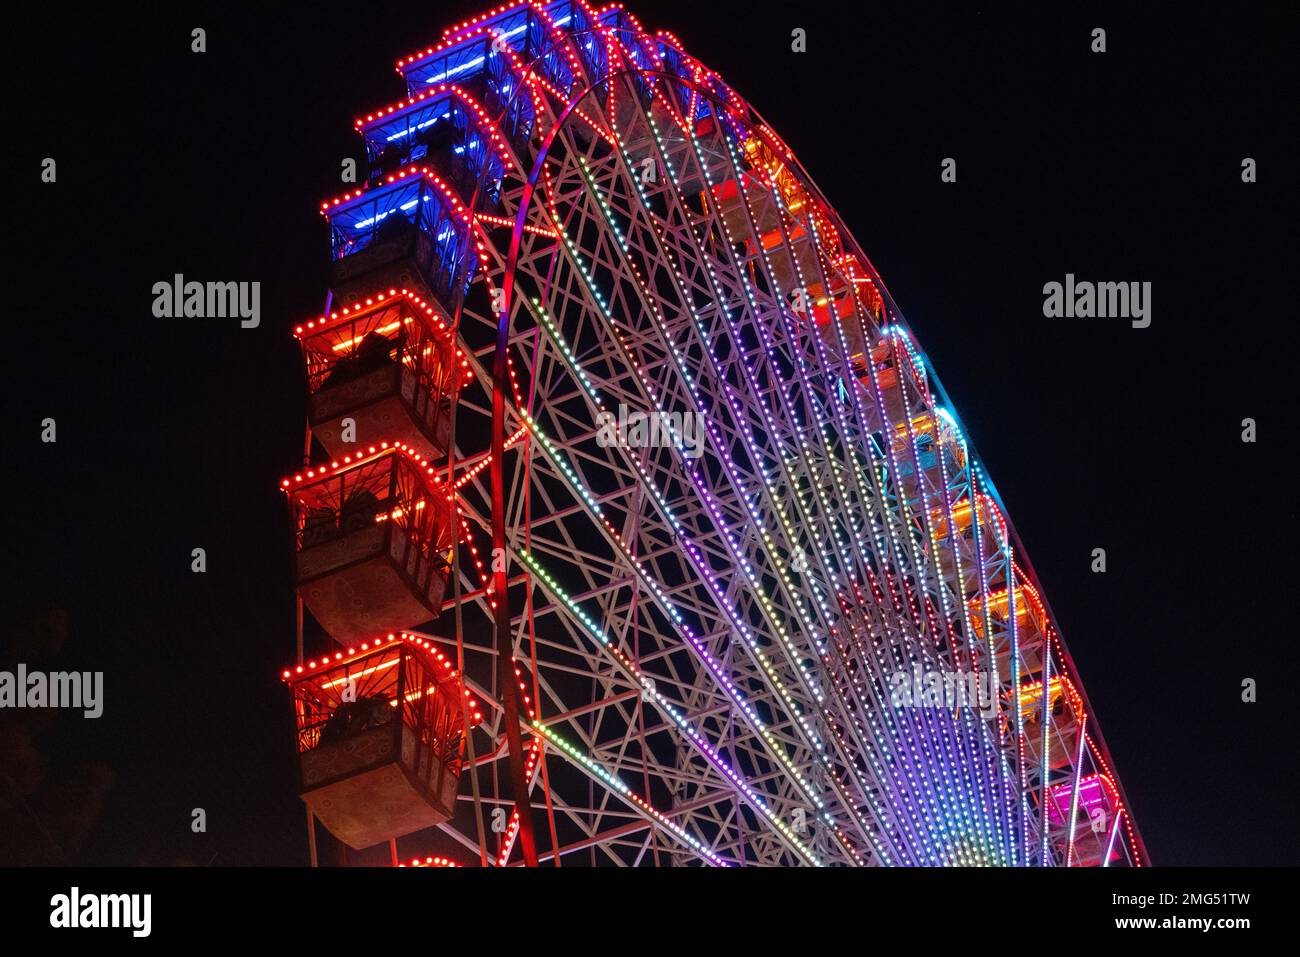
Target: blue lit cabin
<point>685,91</point>
<point>468,55</point>
<point>469,60</point>
<point>590,44</point>
<point>441,130</point>
<point>637,46</point>
<point>473,64</point>
<point>923,441</point>
<point>405,234</point>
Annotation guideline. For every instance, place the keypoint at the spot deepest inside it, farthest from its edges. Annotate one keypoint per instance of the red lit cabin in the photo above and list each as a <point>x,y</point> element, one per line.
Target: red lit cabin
<point>757,198</point>
<point>1096,836</point>
<point>856,304</point>
<point>850,323</point>
<point>429,862</point>
<point>374,541</point>
<point>388,364</point>
<point>837,304</point>
<point>786,248</point>
<point>886,370</point>
<point>1066,714</point>
<point>381,739</point>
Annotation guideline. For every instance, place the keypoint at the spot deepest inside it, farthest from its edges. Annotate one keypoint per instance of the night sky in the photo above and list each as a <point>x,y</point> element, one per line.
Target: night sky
<point>173,433</point>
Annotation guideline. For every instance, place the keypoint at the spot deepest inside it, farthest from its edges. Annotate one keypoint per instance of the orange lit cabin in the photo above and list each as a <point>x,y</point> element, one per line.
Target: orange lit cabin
<point>769,178</point>
<point>388,364</point>
<point>1031,627</point>
<point>763,156</point>
<point>993,535</point>
<point>865,286</point>
<point>817,300</point>
<point>381,738</point>
<point>1065,709</point>
<point>1097,837</point>
<point>374,541</point>
<point>985,512</point>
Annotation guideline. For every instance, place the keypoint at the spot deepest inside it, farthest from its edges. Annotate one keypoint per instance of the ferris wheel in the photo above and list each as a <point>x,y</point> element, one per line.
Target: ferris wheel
<point>635,524</point>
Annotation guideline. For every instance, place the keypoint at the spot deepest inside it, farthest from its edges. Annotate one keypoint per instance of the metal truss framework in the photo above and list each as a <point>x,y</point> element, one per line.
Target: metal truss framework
<point>707,630</point>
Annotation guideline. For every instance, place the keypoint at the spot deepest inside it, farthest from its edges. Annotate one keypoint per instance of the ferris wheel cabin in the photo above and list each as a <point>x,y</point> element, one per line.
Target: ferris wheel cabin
<point>385,367</point>
<point>409,232</point>
<point>1061,709</point>
<point>381,738</point>
<point>374,538</point>
<point>1085,821</point>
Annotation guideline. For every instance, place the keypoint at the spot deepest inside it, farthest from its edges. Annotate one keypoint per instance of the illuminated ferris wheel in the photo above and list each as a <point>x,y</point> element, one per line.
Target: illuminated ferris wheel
<point>632,505</point>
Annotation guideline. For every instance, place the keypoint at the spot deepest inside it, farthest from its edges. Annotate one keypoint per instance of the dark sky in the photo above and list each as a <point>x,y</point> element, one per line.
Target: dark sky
<point>1123,166</point>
